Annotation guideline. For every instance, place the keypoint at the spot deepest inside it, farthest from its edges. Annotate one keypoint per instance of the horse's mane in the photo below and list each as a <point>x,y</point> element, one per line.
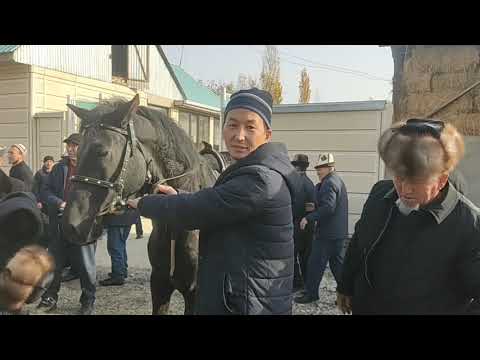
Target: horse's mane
<point>175,151</point>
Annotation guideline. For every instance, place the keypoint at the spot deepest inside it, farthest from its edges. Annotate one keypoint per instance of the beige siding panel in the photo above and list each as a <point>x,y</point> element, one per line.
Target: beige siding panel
<point>49,126</point>
<point>14,101</point>
<point>354,162</point>
<point>352,220</point>
<point>360,120</point>
<point>14,130</point>
<point>57,88</point>
<point>17,86</point>
<point>363,140</point>
<point>13,116</point>
<point>355,182</point>
<point>355,203</point>
<point>55,103</point>
<point>49,138</point>
<point>7,141</point>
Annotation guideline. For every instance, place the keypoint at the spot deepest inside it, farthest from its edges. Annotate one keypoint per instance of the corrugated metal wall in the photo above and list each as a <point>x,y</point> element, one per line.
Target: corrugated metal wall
<point>138,66</point>
<point>161,82</point>
<point>91,61</point>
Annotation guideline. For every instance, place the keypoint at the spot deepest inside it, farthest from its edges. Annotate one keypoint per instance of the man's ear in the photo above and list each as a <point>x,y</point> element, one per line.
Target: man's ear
<point>443,180</point>
<point>268,134</point>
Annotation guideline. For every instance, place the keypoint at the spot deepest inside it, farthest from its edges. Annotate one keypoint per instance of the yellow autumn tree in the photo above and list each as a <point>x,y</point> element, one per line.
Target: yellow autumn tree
<point>270,76</point>
<point>304,87</point>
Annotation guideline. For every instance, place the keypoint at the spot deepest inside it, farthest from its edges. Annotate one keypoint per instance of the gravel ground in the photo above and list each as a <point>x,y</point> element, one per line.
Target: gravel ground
<point>134,297</point>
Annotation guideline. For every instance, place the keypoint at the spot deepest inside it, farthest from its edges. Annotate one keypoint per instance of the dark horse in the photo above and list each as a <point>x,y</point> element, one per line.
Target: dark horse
<point>127,147</point>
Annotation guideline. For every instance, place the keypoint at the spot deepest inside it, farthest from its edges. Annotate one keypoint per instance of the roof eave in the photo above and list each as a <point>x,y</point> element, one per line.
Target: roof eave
<point>196,106</point>
<point>170,70</point>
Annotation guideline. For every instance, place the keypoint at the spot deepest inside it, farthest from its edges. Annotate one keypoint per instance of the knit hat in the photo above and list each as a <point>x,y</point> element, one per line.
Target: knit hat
<point>256,100</point>
<point>48,157</point>
<point>300,159</point>
<point>22,148</point>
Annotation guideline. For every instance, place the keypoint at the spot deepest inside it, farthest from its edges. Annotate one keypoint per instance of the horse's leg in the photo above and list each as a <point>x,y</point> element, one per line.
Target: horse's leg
<point>161,286</point>
<point>186,267</point>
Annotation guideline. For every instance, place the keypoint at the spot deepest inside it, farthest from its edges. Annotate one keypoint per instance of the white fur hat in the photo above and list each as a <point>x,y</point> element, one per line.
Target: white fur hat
<point>325,159</point>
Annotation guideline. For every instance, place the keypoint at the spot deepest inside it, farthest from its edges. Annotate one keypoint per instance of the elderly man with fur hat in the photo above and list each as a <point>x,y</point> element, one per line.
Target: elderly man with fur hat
<point>416,246</point>
<point>331,217</point>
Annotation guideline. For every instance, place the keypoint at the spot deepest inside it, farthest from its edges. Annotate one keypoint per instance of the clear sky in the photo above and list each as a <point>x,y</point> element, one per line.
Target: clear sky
<point>337,72</point>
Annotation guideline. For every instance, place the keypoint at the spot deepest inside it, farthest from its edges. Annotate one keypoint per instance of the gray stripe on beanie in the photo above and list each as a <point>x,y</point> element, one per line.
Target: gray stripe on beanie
<point>258,98</point>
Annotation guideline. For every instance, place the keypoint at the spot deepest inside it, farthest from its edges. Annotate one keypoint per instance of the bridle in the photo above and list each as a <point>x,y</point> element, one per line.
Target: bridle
<point>119,202</point>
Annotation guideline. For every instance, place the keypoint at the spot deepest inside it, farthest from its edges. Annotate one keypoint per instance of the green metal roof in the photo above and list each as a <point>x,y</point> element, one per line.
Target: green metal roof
<point>194,91</point>
<point>8,48</point>
<point>86,105</point>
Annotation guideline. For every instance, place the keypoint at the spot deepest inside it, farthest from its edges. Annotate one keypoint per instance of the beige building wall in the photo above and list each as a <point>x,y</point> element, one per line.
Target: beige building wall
<point>352,138</point>
<point>14,106</point>
<point>51,91</point>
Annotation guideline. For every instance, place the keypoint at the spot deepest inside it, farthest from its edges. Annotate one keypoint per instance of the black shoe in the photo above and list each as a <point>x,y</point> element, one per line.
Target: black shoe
<point>69,275</point>
<point>47,304</point>
<point>110,275</point>
<point>305,299</point>
<point>87,309</point>
<point>112,282</point>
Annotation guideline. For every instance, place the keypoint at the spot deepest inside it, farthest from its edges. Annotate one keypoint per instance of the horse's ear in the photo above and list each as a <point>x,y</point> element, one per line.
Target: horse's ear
<point>207,148</point>
<point>132,109</point>
<point>81,113</point>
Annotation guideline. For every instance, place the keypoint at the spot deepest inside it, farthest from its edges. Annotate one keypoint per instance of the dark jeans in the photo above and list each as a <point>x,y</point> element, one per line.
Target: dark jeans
<point>139,227</point>
<point>117,249</point>
<point>302,248</point>
<point>324,251</point>
<point>83,260</point>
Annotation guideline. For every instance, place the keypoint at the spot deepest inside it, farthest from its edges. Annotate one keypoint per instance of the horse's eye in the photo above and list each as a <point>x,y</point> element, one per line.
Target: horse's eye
<point>102,153</point>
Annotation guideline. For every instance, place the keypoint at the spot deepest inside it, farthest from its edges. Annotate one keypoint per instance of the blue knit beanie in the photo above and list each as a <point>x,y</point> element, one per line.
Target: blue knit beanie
<point>256,100</point>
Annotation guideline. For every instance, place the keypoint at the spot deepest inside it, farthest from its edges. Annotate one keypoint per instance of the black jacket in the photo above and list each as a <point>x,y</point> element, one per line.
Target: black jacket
<point>53,192</point>
<point>331,213</point>
<point>438,271</point>
<point>306,194</point>
<point>246,233</point>
<point>9,184</point>
<point>39,182</point>
<point>23,172</point>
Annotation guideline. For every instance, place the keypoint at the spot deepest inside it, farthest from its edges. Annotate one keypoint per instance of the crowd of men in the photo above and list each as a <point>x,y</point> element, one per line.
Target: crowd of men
<point>267,232</point>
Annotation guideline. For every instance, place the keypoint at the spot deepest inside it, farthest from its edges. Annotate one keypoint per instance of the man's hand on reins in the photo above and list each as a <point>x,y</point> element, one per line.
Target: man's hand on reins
<point>164,189</point>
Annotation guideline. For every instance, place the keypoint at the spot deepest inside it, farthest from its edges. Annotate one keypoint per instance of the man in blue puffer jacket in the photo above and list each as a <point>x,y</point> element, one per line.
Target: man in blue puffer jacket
<point>245,220</point>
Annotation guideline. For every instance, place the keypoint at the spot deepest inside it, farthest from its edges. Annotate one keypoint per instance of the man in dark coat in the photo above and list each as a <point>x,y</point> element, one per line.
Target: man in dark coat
<point>8,184</point>
<point>20,170</point>
<point>39,182</point>
<point>245,220</point>
<point>416,247</point>
<point>83,257</point>
<point>331,231</point>
<point>304,204</point>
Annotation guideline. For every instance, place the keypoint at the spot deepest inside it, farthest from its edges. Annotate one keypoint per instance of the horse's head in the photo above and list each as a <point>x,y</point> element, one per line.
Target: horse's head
<point>111,167</point>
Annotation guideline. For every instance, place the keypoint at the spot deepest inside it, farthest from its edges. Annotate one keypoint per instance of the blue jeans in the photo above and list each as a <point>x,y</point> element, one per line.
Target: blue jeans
<point>117,249</point>
<point>324,251</point>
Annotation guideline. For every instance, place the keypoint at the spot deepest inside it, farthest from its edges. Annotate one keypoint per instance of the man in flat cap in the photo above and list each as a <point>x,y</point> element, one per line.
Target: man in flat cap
<point>304,205</point>
<point>82,257</point>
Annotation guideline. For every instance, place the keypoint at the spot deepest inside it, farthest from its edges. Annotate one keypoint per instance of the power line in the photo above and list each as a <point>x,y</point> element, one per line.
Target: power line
<point>328,67</point>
